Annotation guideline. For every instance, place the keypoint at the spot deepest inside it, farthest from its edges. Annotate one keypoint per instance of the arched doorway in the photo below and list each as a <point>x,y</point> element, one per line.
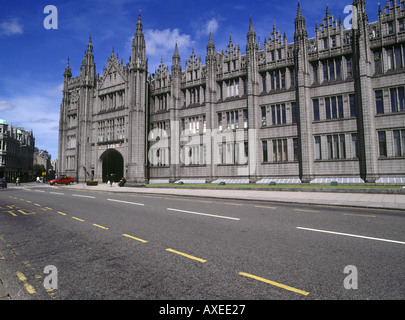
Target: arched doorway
<point>113,165</point>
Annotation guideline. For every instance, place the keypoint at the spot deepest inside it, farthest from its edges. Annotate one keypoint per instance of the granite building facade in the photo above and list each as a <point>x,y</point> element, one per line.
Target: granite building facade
<point>16,152</point>
<point>321,109</point>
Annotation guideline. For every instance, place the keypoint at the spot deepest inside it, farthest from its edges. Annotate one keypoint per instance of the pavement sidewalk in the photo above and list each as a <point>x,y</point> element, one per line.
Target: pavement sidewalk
<point>351,199</point>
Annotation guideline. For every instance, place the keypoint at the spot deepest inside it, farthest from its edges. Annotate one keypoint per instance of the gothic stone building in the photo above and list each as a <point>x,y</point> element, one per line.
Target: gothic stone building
<point>315,110</point>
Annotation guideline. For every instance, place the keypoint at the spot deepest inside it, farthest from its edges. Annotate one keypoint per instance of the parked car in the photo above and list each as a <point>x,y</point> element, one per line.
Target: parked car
<point>3,183</point>
<point>61,180</point>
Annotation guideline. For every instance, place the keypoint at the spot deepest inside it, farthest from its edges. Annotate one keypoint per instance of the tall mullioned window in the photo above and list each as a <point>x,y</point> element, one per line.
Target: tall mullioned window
<point>318,153</point>
<point>399,143</point>
<point>379,102</point>
<point>336,146</point>
<point>397,99</point>
<point>382,143</point>
<point>264,149</point>
<point>316,109</point>
<point>334,107</point>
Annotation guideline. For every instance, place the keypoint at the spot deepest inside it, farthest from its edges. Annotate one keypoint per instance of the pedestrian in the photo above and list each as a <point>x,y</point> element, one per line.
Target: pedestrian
<point>17,181</point>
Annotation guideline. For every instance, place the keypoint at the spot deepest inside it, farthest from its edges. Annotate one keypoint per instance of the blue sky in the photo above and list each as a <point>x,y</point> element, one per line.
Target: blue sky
<point>33,58</point>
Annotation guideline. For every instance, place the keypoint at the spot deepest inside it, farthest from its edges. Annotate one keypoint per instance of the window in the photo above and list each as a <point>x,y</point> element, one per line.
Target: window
<point>401,25</point>
<point>379,102</point>
<point>263,110</point>
<point>293,112</point>
<point>280,151</point>
<point>318,154</point>
<point>399,143</point>
<point>245,119</point>
<point>316,109</point>
<point>315,72</point>
<point>232,88</point>
<point>295,148</point>
<point>398,58</point>
<point>232,119</point>
<point>340,106</point>
<point>349,67</point>
<point>397,99</point>
<point>264,82</point>
<point>336,146</point>
<point>355,146</point>
<point>245,86</point>
<point>390,27</point>
<point>325,71</point>
<point>353,111</point>
<point>390,59</point>
<point>264,149</point>
<point>330,147</point>
<point>278,114</point>
<point>334,107</point>
<point>220,121</point>
<point>382,143</point>
<point>292,77</point>
<point>394,104</point>
<point>342,145</point>
<point>282,75</point>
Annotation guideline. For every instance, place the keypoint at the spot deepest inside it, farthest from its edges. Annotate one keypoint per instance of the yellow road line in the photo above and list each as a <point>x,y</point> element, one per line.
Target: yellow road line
<point>186,255</point>
<point>12,213</point>
<point>302,210</point>
<point>128,236</point>
<point>38,205</point>
<point>27,286</point>
<point>232,204</point>
<point>77,219</point>
<point>26,213</point>
<point>63,214</point>
<point>283,286</point>
<point>359,215</point>
<point>97,225</point>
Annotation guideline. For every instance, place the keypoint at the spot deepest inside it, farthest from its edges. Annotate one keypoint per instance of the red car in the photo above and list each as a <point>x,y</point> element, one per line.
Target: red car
<point>61,180</point>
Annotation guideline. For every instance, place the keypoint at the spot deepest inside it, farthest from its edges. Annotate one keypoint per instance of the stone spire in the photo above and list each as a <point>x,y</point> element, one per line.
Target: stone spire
<point>68,71</point>
<point>138,45</point>
<point>88,68</point>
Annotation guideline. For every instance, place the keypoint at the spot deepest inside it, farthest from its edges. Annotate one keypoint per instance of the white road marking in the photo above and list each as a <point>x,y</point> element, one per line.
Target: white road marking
<point>351,235</point>
<point>82,196</point>
<point>203,214</point>
<point>127,202</point>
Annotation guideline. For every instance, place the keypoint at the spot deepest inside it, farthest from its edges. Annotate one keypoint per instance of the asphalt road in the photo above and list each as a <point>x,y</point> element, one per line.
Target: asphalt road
<point>57,243</point>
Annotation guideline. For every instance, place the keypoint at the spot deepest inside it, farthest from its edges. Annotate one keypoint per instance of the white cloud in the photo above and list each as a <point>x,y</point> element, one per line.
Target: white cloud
<point>162,42</point>
<point>10,27</point>
<point>211,26</point>
<point>35,108</point>
<point>4,105</point>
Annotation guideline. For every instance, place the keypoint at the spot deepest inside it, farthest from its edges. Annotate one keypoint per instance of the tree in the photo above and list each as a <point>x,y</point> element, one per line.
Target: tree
<point>38,169</point>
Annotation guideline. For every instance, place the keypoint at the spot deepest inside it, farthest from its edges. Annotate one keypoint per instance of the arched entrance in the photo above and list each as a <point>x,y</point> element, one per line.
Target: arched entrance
<point>113,165</point>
